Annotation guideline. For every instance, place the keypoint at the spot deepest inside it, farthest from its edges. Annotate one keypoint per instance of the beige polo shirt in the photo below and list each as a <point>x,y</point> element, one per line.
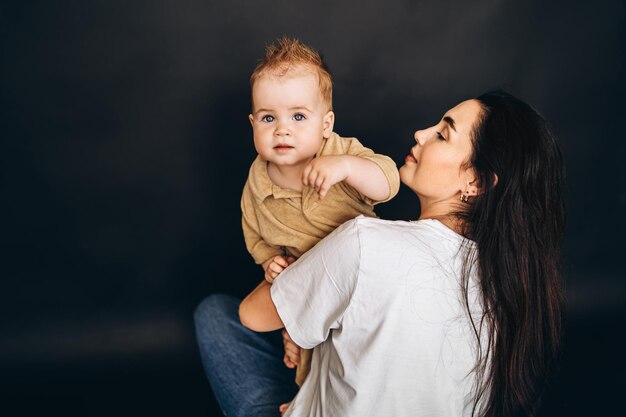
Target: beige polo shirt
<point>278,221</point>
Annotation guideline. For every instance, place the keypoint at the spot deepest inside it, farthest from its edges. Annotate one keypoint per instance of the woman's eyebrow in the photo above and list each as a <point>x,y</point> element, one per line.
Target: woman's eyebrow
<point>450,121</point>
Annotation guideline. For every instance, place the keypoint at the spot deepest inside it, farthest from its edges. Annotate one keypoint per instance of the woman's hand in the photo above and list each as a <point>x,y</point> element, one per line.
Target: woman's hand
<point>292,351</point>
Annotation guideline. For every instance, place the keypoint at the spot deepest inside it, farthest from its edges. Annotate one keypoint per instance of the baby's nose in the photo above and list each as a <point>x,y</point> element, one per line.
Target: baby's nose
<point>281,129</point>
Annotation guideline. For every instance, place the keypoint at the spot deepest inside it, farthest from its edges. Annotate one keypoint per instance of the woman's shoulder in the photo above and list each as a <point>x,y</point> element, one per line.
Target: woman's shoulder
<point>427,232</point>
<point>374,224</point>
<point>372,231</point>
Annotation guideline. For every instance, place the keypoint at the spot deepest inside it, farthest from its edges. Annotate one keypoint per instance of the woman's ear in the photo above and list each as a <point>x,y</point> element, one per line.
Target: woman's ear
<point>329,122</point>
<point>472,189</point>
<point>470,186</point>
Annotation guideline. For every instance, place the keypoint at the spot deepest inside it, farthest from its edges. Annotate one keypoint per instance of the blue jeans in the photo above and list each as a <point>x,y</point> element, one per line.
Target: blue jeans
<point>245,368</point>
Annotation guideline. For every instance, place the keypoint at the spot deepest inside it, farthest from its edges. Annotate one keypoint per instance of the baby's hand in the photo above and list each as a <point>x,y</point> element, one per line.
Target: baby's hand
<point>324,171</point>
<point>274,266</point>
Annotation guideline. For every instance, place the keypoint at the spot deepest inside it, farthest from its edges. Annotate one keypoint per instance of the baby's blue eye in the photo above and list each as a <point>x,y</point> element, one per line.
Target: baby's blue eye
<point>299,117</point>
<point>268,118</point>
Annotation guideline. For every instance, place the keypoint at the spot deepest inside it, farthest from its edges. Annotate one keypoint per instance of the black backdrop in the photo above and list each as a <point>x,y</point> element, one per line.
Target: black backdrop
<point>125,145</point>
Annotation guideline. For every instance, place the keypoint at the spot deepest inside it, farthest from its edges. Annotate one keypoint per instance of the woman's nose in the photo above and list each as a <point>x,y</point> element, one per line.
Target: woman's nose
<point>424,135</point>
<point>418,136</point>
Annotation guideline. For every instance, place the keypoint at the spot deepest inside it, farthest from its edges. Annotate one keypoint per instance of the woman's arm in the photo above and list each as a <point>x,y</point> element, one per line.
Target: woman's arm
<point>310,297</point>
<point>257,311</point>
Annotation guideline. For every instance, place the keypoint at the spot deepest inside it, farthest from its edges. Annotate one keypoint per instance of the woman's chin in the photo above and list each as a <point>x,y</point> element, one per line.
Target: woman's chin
<point>405,176</point>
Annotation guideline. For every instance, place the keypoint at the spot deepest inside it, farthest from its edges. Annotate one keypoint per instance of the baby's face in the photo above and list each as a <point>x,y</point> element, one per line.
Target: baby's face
<point>290,118</point>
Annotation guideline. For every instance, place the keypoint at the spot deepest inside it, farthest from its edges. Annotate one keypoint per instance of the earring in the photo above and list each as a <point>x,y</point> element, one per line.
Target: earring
<point>465,197</point>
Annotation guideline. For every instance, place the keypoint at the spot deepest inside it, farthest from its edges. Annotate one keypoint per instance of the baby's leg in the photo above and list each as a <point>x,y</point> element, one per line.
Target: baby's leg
<point>304,366</point>
<point>301,373</point>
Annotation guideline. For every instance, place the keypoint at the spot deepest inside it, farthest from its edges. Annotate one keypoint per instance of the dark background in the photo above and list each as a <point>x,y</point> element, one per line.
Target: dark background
<point>125,146</point>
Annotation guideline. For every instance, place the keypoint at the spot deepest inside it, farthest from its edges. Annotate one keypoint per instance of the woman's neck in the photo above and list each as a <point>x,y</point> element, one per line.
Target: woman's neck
<point>445,214</point>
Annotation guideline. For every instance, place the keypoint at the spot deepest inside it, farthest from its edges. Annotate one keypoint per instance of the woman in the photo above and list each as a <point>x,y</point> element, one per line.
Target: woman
<point>458,313</point>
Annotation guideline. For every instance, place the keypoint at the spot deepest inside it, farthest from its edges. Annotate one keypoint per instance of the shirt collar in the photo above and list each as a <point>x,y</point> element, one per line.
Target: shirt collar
<point>261,185</point>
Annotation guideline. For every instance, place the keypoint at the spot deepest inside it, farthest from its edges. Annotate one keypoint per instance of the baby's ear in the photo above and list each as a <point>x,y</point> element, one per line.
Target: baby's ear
<point>251,118</point>
<point>329,122</point>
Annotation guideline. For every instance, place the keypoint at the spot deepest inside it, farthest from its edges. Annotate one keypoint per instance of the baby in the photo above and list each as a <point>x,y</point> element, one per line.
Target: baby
<point>306,179</point>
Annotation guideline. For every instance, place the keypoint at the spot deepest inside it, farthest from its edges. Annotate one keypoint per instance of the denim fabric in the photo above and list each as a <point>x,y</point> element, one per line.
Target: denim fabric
<point>245,368</point>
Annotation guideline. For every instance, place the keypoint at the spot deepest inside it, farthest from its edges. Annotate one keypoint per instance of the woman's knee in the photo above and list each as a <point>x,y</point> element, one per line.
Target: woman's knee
<point>216,310</point>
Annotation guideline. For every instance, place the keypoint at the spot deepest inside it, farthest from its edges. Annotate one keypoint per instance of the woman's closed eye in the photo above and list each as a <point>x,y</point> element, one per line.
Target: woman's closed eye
<point>440,136</point>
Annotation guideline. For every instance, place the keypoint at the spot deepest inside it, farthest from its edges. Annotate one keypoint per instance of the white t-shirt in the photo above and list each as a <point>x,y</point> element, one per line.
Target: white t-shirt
<point>381,303</point>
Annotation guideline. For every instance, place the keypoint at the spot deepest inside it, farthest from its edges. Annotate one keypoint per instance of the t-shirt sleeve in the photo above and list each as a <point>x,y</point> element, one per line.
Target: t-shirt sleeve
<point>385,163</point>
<point>312,295</point>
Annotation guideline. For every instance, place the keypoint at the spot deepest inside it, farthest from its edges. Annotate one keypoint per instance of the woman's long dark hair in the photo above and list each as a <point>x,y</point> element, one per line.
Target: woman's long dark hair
<point>517,223</point>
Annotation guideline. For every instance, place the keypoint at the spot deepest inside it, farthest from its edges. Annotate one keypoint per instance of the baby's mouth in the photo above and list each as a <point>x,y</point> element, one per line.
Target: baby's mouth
<point>282,146</point>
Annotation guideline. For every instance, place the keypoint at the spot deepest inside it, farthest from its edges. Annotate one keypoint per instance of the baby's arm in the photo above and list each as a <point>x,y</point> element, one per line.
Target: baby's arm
<point>362,174</point>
